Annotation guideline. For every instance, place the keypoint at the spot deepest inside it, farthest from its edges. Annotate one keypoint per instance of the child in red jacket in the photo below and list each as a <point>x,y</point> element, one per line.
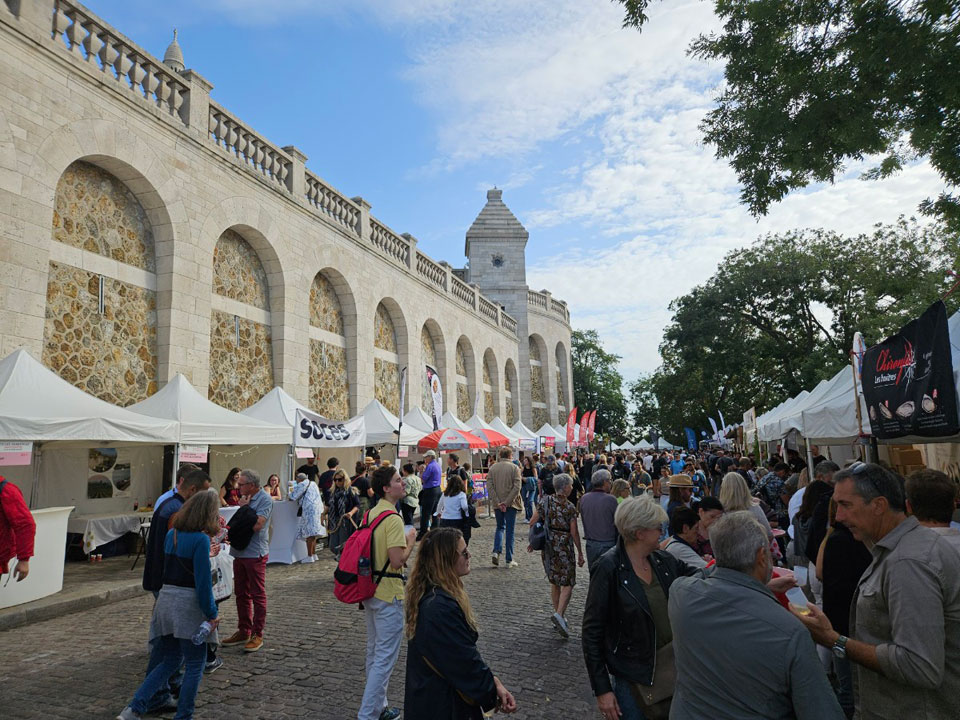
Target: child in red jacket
<point>17,529</point>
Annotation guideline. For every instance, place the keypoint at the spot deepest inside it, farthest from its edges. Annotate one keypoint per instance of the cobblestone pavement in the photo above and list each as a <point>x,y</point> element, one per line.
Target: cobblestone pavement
<point>88,664</point>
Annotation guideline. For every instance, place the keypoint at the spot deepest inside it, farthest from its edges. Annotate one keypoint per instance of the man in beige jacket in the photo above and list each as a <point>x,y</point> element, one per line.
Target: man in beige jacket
<point>503,484</point>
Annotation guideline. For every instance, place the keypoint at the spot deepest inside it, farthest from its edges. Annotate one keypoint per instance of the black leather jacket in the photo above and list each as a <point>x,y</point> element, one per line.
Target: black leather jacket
<point>618,631</point>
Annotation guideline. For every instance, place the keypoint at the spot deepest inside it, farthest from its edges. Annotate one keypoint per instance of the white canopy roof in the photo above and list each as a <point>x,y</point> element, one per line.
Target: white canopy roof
<point>501,427</point>
<point>523,431</point>
<point>477,423</point>
<point>547,430</point>
<point>382,426</point>
<point>204,422</point>
<point>449,420</point>
<point>418,419</point>
<point>643,445</point>
<point>37,405</point>
<point>768,425</point>
<point>277,407</point>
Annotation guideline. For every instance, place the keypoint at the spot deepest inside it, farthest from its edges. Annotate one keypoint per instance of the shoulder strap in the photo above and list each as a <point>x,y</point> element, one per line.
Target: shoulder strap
<point>2,483</point>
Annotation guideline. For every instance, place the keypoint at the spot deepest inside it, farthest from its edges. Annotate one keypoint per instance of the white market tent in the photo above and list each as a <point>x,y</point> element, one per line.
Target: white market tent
<point>202,421</point>
<point>449,420</point>
<point>501,427</point>
<point>546,430</point>
<point>277,407</point>
<point>523,431</point>
<point>382,426</point>
<point>768,425</point>
<point>234,439</point>
<point>418,419</point>
<point>64,423</point>
<point>643,445</point>
<point>475,422</point>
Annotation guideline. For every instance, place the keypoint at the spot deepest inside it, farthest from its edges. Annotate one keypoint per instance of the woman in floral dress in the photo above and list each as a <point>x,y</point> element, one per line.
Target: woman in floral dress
<point>563,536</point>
<point>307,494</point>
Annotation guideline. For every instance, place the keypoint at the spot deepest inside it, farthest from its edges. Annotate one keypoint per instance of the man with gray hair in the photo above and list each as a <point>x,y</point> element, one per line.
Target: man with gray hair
<point>729,622</point>
<point>597,509</point>
<point>250,566</point>
<point>905,615</point>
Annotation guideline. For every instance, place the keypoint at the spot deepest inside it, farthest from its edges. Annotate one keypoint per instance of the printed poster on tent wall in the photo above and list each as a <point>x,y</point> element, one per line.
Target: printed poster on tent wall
<point>908,380</point>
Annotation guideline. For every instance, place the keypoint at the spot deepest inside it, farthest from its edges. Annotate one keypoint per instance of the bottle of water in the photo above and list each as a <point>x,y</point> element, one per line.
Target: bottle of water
<point>202,633</point>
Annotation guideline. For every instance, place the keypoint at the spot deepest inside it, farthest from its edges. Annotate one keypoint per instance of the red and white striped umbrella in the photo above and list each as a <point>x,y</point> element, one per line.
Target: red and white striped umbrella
<point>450,439</point>
<point>493,438</point>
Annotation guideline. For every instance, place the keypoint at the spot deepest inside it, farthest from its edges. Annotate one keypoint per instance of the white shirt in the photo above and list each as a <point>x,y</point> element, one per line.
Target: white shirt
<point>449,507</point>
<point>793,507</point>
<point>647,463</point>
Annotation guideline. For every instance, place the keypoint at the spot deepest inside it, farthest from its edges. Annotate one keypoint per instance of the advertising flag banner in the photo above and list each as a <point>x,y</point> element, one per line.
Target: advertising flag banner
<point>908,380</point>
<point>859,349</point>
<point>571,422</point>
<point>593,424</point>
<point>655,439</point>
<point>403,394</point>
<point>314,431</point>
<point>436,393</point>
<point>691,438</point>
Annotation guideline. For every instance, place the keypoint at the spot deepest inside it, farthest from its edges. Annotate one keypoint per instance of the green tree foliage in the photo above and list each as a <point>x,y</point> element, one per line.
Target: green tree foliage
<point>813,85</point>
<point>597,382</point>
<point>645,410</point>
<point>779,316</point>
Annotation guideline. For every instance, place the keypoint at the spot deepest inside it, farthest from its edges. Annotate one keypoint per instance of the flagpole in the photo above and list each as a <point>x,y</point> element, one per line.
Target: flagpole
<point>403,394</point>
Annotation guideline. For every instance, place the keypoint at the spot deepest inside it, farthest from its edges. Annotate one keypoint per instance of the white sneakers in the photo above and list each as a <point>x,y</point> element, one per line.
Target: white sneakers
<point>495,558</point>
<point>308,559</point>
<point>513,564</point>
<point>561,625</point>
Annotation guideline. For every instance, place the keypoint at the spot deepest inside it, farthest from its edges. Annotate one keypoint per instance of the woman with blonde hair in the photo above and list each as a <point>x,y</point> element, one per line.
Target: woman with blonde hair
<point>343,513</point>
<point>184,604</point>
<point>446,677</point>
<point>620,490</point>
<point>735,495</point>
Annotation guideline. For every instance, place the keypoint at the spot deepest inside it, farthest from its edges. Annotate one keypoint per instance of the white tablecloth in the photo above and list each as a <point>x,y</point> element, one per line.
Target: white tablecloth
<point>284,548</point>
<point>100,529</point>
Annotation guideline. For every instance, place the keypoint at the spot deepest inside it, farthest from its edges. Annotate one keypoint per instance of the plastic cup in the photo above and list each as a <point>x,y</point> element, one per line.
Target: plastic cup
<point>798,601</point>
<point>800,573</point>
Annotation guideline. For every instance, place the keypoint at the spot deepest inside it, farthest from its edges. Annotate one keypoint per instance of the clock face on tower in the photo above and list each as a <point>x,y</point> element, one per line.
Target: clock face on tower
<point>497,260</point>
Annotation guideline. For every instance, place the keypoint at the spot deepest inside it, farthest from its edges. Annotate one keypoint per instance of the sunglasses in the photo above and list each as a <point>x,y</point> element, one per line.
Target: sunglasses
<point>860,467</point>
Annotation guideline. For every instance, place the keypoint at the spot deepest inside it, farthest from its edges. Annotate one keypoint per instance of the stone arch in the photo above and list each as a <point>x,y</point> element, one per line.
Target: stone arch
<point>433,353</point>
<point>241,318</point>
<point>564,401</point>
<point>333,348</point>
<point>121,151</point>
<point>100,320</point>
<point>539,374</point>
<point>390,353</point>
<point>511,391</point>
<point>466,377</point>
<point>491,386</point>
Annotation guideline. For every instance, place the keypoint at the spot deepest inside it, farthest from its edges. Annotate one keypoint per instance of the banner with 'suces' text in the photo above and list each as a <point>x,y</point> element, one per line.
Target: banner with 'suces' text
<point>908,380</point>
<point>316,431</point>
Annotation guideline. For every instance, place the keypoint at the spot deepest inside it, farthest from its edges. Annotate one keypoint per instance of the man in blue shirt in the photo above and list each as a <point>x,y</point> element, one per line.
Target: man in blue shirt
<point>250,567</point>
<point>676,465</point>
<point>430,495</point>
<point>185,468</point>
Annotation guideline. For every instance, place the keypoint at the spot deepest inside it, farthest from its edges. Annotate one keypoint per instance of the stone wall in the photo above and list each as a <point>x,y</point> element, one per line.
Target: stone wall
<point>464,411</point>
<point>540,416</point>
<point>238,273</point>
<point>387,384</point>
<point>329,383</point>
<point>113,355</point>
<point>240,374</point>
<point>511,413</point>
<point>94,211</point>
<point>538,394</point>
<point>384,333</point>
<point>489,409</point>
<point>325,310</point>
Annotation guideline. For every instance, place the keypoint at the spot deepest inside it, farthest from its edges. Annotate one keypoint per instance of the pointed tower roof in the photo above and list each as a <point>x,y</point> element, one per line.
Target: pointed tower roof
<point>496,222</point>
<point>173,57</point>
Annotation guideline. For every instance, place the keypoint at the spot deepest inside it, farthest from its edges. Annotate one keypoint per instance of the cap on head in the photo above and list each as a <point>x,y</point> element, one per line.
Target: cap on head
<point>430,453</point>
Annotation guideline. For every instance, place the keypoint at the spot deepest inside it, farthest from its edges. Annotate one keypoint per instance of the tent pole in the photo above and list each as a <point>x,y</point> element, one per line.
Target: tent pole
<point>176,465</point>
<point>34,486</point>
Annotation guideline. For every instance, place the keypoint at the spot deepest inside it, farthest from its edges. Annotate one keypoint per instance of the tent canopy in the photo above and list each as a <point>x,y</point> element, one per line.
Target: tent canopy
<point>449,420</point>
<point>477,423</point>
<point>204,422</point>
<point>276,407</point>
<point>418,419</point>
<point>501,427</point>
<point>523,432</point>
<point>38,405</point>
<point>382,426</point>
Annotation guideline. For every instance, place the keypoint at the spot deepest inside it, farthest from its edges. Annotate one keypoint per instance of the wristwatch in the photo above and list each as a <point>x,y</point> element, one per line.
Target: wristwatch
<point>839,648</point>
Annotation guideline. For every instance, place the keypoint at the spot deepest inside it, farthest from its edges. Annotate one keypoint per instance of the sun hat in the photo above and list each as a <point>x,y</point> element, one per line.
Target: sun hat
<point>679,481</point>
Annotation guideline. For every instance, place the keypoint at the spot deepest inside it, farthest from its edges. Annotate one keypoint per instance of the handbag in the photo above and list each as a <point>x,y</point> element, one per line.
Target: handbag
<point>655,699</point>
<point>539,532</point>
<point>221,570</point>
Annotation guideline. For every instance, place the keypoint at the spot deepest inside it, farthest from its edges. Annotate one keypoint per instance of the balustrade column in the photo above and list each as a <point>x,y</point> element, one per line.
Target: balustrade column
<point>412,260</point>
<point>296,181</point>
<point>196,105</point>
<point>363,226</point>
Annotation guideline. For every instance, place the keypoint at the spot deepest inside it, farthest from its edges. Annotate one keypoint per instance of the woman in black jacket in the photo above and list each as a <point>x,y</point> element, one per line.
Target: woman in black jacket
<point>446,677</point>
<point>625,618</point>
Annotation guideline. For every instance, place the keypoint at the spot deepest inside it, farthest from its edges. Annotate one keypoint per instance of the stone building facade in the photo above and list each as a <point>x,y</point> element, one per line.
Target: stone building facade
<point>146,231</point>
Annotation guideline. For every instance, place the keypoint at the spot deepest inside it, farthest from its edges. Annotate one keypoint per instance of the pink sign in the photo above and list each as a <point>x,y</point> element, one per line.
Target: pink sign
<point>16,453</point>
<point>305,453</point>
<point>194,453</point>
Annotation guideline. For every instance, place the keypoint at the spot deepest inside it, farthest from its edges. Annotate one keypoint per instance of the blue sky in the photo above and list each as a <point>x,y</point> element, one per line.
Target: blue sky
<point>421,105</point>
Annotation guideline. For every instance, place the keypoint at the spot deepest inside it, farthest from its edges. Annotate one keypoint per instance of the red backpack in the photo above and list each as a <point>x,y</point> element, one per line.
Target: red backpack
<point>354,579</point>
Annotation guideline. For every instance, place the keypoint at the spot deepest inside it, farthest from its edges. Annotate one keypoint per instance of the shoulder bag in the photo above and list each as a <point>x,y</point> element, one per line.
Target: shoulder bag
<point>539,533</point>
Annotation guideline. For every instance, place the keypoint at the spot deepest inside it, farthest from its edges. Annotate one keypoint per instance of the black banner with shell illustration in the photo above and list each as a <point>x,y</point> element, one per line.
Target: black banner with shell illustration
<point>908,380</point>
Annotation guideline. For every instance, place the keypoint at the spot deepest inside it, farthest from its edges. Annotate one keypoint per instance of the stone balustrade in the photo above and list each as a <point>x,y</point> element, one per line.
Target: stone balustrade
<point>119,60</point>
<point>433,273</point>
<point>253,151</point>
<point>332,204</point>
<point>389,243</point>
<point>185,97</point>
<point>462,292</point>
<point>545,301</point>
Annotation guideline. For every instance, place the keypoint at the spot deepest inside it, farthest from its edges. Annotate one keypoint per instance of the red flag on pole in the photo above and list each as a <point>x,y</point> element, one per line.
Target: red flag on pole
<point>571,421</point>
<point>593,425</point>
<point>582,440</point>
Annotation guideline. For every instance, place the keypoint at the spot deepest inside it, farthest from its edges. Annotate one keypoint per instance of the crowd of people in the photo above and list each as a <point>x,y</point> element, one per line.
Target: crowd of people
<point>827,594</point>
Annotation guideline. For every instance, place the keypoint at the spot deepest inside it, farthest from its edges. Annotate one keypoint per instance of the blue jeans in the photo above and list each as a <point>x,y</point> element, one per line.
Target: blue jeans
<point>595,549</point>
<point>628,706</point>
<point>505,521</point>
<point>172,652</point>
<point>844,675</point>
<point>529,495</point>
<point>384,632</point>
<point>166,691</point>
